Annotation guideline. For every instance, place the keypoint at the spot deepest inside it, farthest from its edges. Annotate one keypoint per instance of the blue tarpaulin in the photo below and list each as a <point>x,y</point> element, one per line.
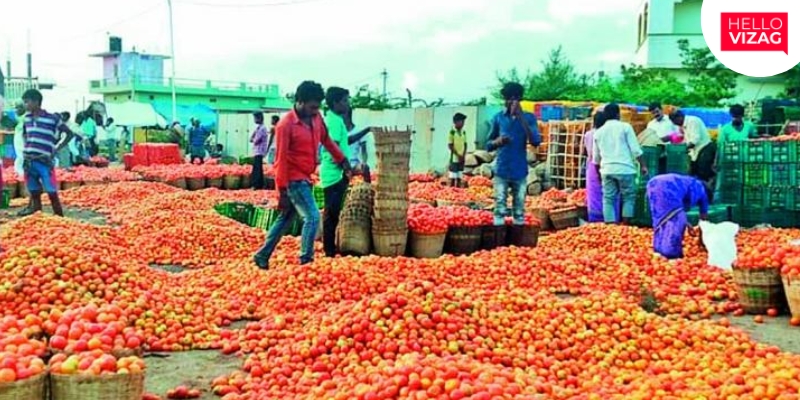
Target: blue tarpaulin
<point>206,115</point>
<point>712,117</point>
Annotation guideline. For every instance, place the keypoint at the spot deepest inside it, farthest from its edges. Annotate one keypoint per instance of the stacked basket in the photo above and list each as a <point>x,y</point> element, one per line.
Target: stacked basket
<point>353,235</point>
<point>390,217</point>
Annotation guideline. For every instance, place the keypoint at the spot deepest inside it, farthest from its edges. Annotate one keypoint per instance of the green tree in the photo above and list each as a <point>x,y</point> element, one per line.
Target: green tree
<point>710,83</point>
<point>641,85</point>
<point>792,88</point>
<point>557,80</point>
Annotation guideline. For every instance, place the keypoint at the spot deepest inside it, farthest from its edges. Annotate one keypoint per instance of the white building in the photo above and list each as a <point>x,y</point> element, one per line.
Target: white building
<point>662,23</point>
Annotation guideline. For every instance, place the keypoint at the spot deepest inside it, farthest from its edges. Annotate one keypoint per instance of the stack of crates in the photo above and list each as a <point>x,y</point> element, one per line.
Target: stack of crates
<point>677,159</point>
<point>761,177</point>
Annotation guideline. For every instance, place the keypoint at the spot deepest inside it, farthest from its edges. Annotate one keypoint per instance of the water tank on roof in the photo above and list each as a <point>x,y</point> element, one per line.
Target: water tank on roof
<point>115,44</point>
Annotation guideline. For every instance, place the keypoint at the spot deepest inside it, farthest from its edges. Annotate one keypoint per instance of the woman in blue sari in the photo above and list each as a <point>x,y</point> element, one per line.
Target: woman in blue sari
<point>670,196</point>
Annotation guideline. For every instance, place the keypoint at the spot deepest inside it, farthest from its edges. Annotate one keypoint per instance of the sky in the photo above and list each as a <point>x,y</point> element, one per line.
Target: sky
<point>451,49</point>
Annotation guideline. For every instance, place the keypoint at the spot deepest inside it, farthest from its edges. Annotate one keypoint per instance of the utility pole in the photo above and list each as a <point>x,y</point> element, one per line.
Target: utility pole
<point>172,51</point>
<point>385,75</point>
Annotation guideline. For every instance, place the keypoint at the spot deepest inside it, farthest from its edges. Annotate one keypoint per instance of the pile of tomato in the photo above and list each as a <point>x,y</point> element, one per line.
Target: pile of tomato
<point>560,321</point>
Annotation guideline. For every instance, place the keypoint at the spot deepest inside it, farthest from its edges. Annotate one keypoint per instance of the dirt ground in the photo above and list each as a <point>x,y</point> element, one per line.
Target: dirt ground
<point>196,369</point>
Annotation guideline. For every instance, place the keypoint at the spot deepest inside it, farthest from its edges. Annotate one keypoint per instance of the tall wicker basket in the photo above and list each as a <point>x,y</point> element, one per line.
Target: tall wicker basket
<point>354,233</point>
<point>26,389</point>
<point>102,387</point>
<point>759,289</point>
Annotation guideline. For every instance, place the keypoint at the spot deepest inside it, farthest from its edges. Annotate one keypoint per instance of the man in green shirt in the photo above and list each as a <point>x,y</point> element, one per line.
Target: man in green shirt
<point>737,130</point>
<point>333,179</point>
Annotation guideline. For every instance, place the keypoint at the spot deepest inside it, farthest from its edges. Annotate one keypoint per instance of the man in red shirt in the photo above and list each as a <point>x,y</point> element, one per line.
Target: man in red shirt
<point>298,137</point>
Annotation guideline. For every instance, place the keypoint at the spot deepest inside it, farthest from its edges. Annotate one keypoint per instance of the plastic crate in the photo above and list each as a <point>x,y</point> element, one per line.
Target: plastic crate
<point>264,219</point>
<point>783,152</point>
<point>241,212</point>
<point>731,194</point>
<point>754,197</point>
<point>782,174</point>
<point>757,151</point>
<point>319,196</point>
<point>732,174</point>
<point>651,157</point>
<point>733,152</point>
<point>756,175</point>
<point>749,217</point>
<point>642,216</point>
<point>780,198</point>
<point>716,213</point>
<point>795,193</point>
<point>677,159</point>
<point>5,199</point>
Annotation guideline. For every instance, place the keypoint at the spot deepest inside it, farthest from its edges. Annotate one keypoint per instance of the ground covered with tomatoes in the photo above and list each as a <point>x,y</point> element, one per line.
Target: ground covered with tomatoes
<point>591,313</point>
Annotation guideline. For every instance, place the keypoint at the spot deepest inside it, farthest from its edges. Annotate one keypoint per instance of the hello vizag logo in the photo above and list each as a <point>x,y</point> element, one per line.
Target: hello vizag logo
<point>755,31</point>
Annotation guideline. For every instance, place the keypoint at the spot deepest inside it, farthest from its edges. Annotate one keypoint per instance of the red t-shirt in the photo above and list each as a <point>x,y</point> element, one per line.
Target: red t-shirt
<point>297,148</point>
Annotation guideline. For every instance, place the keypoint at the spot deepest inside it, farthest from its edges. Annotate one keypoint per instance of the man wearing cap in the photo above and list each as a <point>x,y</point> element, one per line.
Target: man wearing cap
<point>457,142</point>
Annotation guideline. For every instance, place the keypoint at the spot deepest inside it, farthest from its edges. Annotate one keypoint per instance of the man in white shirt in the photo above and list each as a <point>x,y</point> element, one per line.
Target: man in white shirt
<point>660,124</point>
<point>695,133</point>
<point>112,139</point>
<point>616,152</point>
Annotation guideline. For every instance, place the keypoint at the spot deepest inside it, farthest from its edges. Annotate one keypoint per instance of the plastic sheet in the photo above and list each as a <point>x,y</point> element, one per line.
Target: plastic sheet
<point>720,241</point>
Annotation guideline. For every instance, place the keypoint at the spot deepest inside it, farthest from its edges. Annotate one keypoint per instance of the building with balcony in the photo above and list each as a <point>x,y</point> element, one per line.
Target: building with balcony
<point>138,77</point>
<point>662,23</point>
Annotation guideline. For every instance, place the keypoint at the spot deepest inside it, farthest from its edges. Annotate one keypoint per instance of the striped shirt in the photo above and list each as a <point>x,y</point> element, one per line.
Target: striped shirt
<point>42,133</point>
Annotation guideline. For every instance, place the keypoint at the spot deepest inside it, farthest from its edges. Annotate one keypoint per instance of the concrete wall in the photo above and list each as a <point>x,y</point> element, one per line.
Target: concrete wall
<point>687,17</point>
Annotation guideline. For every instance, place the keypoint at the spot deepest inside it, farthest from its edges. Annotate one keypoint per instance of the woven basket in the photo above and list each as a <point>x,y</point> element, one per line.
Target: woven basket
<point>13,190</point>
<point>792,289</point>
<point>759,290</point>
<point>463,240</point>
<point>232,182</point>
<point>247,182</point>
<point>390,243</point>
<point>523,236</point>
<point>215,183</point>
<point>544,216</point>
<point>493,237</point>
<point>564,219</point>
<point>70,185</point>
<point>102,387</point>
<point>427,246</point>
<point>179,183</point>
<point>195,183</point>
<point>26,389</point>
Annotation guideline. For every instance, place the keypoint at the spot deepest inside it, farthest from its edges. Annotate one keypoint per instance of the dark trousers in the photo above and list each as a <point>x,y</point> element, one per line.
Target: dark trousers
<point>334,201</point>
<point>258,172</point>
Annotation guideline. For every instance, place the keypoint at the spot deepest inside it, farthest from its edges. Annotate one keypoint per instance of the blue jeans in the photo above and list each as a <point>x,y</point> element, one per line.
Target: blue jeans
<point>518,190</point>
<point>616,185</point>
<point>302,205</point>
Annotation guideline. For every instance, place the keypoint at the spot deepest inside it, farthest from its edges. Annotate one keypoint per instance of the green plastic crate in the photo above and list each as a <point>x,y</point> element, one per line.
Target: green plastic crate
<point>755,197</point>
<point>264,219</point>
<point>241,212</point>
<point>731,194</point>
<point>757,151</point>
<point>731,174</point>
<point>733,152</point>
<point>782,174</point>
<point>780,198</point>
<point>5,200</point>
<point>642,215</point>
<point>716,213</point>
<point>246,160</point>
<point>651,157</point>
<point>756,175</point>
<point>677,159</point>
<point>319,196</point>
<point>783,152</point>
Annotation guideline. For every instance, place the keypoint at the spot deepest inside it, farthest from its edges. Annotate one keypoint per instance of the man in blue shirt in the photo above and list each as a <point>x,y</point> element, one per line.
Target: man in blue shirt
<point>511,132</point>
<point>197,141</point>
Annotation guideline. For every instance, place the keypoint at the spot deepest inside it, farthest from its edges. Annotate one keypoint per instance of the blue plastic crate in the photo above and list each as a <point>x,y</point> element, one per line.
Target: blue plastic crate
<point>552,112</point>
